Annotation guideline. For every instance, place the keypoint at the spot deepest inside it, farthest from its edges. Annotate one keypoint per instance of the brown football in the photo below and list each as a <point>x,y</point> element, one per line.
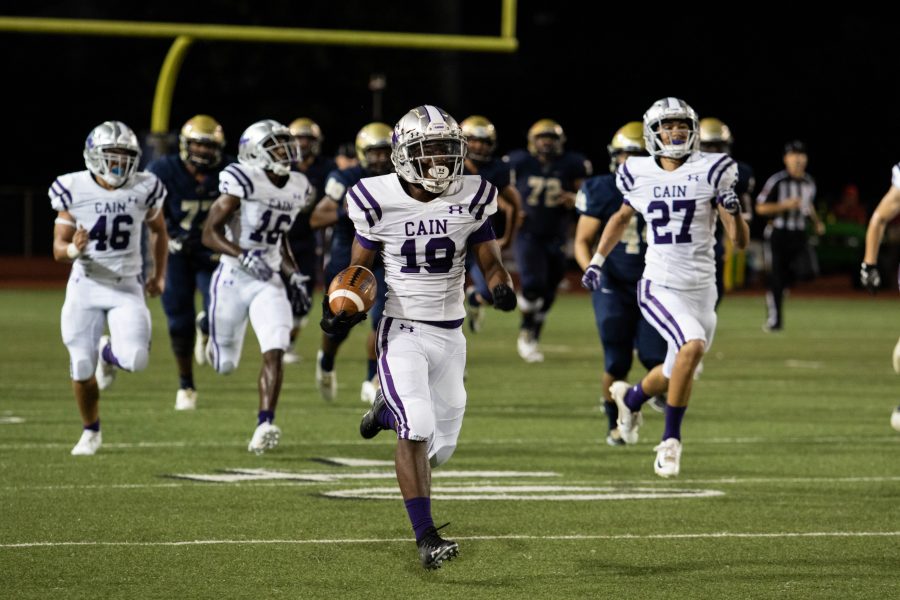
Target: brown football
<point>352,290</point>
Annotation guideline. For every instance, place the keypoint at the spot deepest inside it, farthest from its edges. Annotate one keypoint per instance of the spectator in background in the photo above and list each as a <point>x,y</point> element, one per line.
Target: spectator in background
<point>346,156</point>
<point>848,208</point>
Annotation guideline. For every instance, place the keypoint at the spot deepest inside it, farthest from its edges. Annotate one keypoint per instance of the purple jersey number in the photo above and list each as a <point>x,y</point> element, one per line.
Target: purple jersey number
<point>683,236</point>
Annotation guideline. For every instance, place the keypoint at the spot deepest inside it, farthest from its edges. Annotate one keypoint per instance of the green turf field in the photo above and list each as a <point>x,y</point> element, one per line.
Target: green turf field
<point>790,481</point>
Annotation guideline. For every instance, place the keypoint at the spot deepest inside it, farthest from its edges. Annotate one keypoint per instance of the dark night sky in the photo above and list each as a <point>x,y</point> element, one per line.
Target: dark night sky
<point>770,78</point>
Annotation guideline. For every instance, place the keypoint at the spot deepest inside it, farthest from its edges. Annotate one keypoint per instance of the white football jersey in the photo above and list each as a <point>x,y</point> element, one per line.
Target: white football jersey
<point>895,176</point>
<point>680,210</point>
<point>266,212</point>
<point>113,219</point>
<point>423,244</point>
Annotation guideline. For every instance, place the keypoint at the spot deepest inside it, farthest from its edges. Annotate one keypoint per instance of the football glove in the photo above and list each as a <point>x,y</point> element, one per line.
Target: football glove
<point>253,262</point>
<point>869,276</point>
<point>298,294</point>
<point>730,202</point>
<point>504,297</point>
<point>338,325</point>
<point>591,278</point>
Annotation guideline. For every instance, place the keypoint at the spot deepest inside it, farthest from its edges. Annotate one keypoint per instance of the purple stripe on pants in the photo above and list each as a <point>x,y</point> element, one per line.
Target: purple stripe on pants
<point>212,318</point>
<point>665,313</point>
<point>387,381</point>
<point>659,321</point>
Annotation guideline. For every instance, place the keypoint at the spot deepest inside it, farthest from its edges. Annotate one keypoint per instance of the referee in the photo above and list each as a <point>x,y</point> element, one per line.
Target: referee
<point>788,200</point>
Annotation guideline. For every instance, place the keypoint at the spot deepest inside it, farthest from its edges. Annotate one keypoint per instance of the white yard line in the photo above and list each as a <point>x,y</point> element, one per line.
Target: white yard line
<point>625,536</point>
<point>888,439</point>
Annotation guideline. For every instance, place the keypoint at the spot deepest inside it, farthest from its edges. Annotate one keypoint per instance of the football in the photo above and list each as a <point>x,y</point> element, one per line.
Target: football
<point>352,290</point>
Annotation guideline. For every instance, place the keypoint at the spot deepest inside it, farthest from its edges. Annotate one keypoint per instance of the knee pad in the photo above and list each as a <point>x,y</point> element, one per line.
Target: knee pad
<point>134,360</point>
<point>82,368</point>
<point>441,455</point>
<point>617,363</point>
<point>181,325</point>
<point>183,346</point>
<point>225,367</point>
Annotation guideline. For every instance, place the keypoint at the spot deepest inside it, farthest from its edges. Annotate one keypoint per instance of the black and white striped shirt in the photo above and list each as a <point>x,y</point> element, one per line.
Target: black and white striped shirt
<point>782,186</point>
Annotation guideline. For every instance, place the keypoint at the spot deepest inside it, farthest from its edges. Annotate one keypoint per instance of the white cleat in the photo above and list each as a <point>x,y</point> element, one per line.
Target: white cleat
<point>88,444</point>
<point>186,399</point>
<point>368,390</point>
<point>628,422</point>
<point>528,348</point>
<point>290,356</point>
<point>668,458</point>
<point>264,438</point>
<point>895,419</point>
<point>105,372</point>
<point>200,340</point>
<point>896,358</point>
<point>326,381</point>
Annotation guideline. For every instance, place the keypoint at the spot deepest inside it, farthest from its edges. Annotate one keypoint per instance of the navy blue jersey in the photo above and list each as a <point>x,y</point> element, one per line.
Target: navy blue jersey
<point>746,183</point>
<point>317,173</point>
<point>496,171</point>
<point>600,198</point>
<point>540,186</point>
<point>343,231</point>
<point>188,200</point>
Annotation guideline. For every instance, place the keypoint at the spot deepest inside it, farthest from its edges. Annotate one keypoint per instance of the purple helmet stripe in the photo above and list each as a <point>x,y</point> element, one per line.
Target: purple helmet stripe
<point>709,175</point>
<point>434,114</point>
<point>665,313</point>
<point>478,194</point>
<point>371,199</point>
<point>365,210</point>
<point>722,172</point>
<point>387,381</point>
<point>490,198</point>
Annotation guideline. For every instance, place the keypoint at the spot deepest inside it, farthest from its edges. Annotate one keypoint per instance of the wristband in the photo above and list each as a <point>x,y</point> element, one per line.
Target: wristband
<point>72,251</point>
<point>598,259</point>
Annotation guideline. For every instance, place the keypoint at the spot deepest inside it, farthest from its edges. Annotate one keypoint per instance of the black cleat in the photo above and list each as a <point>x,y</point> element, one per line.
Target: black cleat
<point>369,425</point>
<point>434,550</point>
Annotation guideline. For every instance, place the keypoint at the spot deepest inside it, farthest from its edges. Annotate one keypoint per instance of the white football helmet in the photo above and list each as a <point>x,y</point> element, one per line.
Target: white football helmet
<point>669,109</point>
<point>269,145</point>
<point>112,152</point>
<point>428,148</point>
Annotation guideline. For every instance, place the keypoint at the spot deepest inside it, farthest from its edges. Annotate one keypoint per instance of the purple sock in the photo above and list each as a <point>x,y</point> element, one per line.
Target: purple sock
<point>386,419</point>
<point>635,397</point>
<point>674,415</point>
<point>95,426</point>
<point>109,357</point>
<point>265,416</point>
<point>419,510</point>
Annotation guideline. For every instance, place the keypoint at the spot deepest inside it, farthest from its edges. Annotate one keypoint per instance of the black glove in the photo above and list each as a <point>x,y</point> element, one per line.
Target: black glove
<point>869,276</point>
<point>338,324</point>
<point>504,297</point>
<point>298,295</point>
